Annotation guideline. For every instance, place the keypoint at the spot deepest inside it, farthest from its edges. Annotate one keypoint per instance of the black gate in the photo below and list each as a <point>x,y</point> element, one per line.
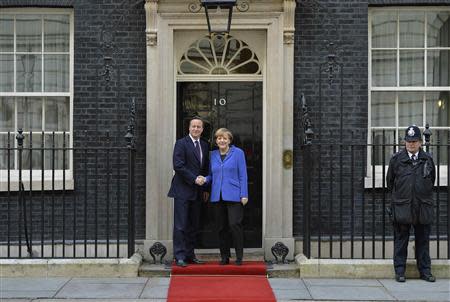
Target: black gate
<point>343,194</point>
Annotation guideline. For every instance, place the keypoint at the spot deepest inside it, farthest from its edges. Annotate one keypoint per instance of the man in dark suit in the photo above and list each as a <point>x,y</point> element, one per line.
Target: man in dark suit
<point>191,163</point>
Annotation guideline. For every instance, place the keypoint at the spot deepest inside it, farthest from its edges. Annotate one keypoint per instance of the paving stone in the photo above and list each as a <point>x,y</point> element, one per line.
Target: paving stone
<point>291,294</point>
<point>26,294</point>
<point>155,292</point>
<point>158,282</point>
<point>285,283</point>
<point>349,293</point>
<point>341,282</point>
<point>416,285</point>
<point>101,289</point>
<point>422,296</point>
<point>32,284</point>
<point>138,280</point>
<point>94,300</point>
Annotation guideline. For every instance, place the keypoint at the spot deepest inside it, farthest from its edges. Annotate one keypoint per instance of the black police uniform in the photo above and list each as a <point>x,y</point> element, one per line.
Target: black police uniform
<point>411,183</point>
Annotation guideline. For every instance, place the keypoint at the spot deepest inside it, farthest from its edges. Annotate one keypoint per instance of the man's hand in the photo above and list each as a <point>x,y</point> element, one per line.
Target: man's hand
<point>244,200</point>
<point>200,180</point>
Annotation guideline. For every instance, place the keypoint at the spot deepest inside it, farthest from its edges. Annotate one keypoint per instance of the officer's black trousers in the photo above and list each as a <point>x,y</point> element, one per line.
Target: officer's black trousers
<point>229,216</point>
<point>422,247</point>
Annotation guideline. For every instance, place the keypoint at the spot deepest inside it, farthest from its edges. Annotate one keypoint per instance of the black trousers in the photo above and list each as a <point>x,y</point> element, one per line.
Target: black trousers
<point>185,227</point>
<point>422,248</point>
<point>229,216</point>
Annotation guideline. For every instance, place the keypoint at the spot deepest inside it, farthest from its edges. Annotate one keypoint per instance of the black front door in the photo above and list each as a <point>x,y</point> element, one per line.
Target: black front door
<point>238,107</point>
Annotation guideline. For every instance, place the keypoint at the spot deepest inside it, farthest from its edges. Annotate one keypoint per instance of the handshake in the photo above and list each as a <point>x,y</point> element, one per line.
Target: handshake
<point>200,180</point>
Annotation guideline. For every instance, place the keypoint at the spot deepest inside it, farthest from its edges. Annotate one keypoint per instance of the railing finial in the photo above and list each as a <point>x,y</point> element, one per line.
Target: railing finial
<point>129,137</point>
<point>427,133</point>
<point>306,123</point>
<point>20,138</point>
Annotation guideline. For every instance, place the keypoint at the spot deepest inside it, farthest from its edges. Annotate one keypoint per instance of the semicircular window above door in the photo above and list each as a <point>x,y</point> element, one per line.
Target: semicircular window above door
<point>219,55</point>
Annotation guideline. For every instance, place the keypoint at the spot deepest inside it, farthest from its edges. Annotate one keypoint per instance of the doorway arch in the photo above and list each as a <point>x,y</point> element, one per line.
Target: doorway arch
<point>170,31</point>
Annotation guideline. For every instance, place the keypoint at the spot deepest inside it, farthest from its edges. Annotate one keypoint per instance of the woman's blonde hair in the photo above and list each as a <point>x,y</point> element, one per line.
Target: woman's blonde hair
<point>223,132</point>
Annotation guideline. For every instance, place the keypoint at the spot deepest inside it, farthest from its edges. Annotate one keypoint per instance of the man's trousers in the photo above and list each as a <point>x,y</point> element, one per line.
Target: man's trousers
<point>185,228</point>
<point>422,247</point>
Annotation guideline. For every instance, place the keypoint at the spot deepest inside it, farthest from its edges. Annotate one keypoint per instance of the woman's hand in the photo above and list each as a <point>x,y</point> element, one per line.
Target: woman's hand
<point>244,200</point>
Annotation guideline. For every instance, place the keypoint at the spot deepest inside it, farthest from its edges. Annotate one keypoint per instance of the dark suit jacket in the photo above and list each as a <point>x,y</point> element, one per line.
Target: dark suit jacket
<point>187,167</point>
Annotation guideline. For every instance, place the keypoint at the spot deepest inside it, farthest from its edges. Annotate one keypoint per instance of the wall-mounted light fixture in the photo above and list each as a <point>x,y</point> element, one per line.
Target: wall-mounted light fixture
<point>219,13</point>
<point>216,20</point>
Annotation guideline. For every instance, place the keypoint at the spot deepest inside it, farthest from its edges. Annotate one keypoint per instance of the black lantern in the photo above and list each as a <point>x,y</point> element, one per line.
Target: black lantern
<point>218,15</point>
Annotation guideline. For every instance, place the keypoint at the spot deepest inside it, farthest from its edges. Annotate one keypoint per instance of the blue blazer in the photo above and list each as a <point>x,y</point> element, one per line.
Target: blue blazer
<point>228,176</point>
<point>187,166</point>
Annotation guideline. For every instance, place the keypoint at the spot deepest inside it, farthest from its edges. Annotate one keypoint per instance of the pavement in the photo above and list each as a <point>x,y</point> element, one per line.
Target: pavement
<point>155,289</point>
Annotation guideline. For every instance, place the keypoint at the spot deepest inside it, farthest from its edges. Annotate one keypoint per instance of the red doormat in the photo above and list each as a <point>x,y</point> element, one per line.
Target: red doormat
<point>214,268</point>
<point>220,283</point>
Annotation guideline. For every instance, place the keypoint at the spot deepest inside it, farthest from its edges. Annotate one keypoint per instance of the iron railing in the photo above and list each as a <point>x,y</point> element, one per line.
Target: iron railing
<point>67,202</point>
<point>345,201</point>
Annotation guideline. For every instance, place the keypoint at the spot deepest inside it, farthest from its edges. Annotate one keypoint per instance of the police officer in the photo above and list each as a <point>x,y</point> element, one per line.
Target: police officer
<point>410,178</point>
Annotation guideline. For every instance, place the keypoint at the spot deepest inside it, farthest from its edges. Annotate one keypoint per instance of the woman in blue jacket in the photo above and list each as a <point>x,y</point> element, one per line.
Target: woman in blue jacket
<point>229,193</point>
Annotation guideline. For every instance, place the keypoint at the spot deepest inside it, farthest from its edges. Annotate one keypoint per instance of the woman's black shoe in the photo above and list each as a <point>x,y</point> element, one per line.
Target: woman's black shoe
<point>224,261</point>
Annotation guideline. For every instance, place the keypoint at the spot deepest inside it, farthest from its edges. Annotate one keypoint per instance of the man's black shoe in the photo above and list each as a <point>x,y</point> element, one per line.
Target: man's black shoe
<point>181,263</point>
<point>238,262</point>
<point>428,278</point>
<point>196,261</point>
<point>400,278</point>
<point>224,261</point>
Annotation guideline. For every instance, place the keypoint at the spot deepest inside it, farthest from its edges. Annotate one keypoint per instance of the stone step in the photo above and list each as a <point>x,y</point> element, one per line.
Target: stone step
<point>148,269</point>
<point>273,271</point>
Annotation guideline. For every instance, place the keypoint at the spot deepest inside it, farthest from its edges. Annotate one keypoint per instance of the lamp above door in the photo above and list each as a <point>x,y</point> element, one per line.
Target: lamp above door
<point>219,13</point>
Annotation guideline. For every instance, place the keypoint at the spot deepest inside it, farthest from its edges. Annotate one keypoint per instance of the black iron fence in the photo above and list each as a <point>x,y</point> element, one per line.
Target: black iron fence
<point>345,199</point>
<point>60,201</point>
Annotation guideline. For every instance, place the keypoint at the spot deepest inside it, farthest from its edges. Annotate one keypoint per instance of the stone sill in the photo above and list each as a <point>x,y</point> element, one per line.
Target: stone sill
<point>363,268</point>
<point>123,267</point>
<point>57,181</point>
<point>37,185</point>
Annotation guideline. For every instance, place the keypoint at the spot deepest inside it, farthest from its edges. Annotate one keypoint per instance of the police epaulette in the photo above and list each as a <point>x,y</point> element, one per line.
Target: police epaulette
<point>396,154</point>
<point>429,154</point>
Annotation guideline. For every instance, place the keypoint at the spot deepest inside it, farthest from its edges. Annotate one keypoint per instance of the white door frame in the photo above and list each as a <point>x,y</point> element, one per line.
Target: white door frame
<point>276,18</point>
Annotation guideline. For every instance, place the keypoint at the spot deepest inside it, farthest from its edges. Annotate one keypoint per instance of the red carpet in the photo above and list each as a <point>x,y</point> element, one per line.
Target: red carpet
<point>220,283</point>
<point>214,268</point>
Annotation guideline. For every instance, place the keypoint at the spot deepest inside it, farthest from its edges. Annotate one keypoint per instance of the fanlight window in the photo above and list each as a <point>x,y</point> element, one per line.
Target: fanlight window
<point>219,55</point>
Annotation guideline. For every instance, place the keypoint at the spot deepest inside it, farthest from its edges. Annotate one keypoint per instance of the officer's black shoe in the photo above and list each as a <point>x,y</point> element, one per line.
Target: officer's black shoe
<point>428,277</point>
<point>224,261</point>
<point>400,278</point>
<point>196,261</point>
<point>181,263</point>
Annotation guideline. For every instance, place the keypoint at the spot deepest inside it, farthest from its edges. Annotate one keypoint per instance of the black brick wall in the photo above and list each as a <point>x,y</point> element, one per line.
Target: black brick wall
<point>37,3</point>
<point>98,107</point>
<point>407,2</point>
<point>345,23</point>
